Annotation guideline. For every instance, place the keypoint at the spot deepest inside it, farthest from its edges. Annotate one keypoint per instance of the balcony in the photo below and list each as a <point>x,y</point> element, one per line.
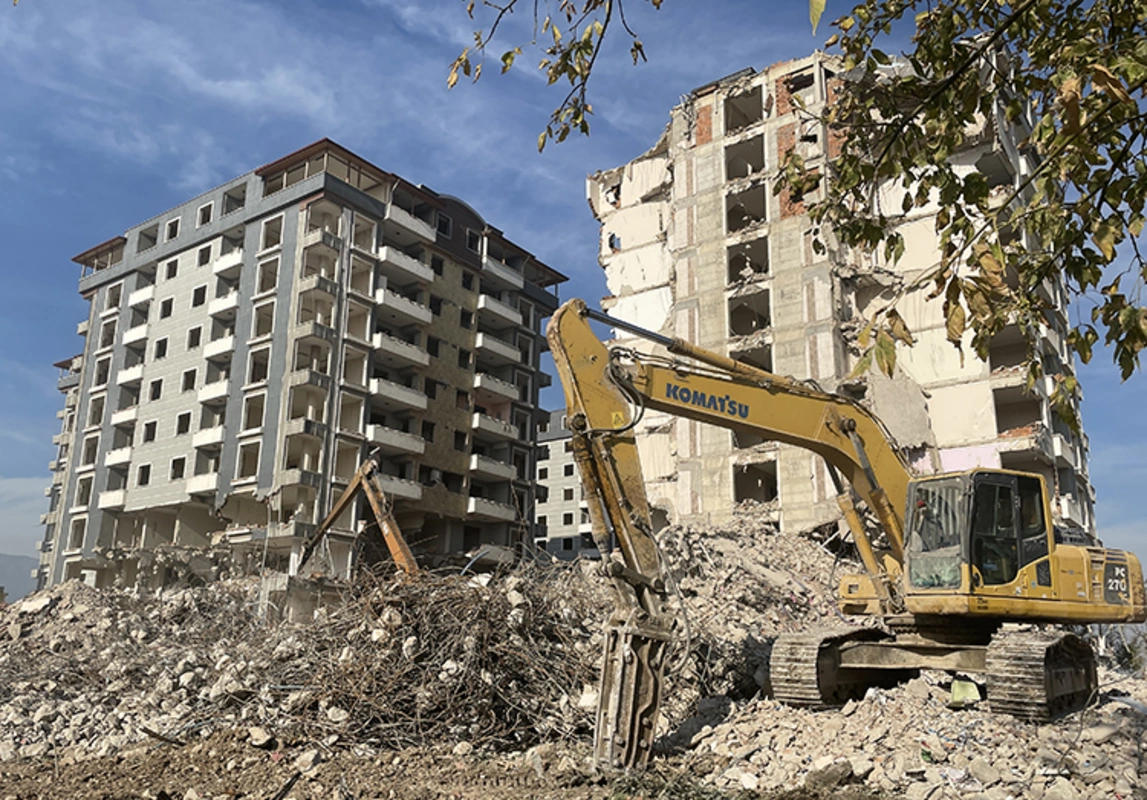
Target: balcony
<point>135,335</point>
<point>496,313</point>
<point>490,428</point>
<point>488,389</point>
<point>480,508</point>
<point>400,311</point>
<point>392,442</point>
<point>215,392</point>
<point>228,265</point>
<point>397,353</point>
<point>65,437</point>
<point>82,328</point>
<point>1069,508</point>
<point>399,488</point>
<point>298,476</point>
<point>402,269</point>
<point>1008,377</point>
<point>308,377</point>
<point>67,380</point>
<point>129,375</point>
<point>496,351</point>
<point>219,348</point>
<point>203,484</point>
<point>125,416</point>
<point>317,283</point>
<point>141,296</point>
<point>208,437</point>
<point>398,221</point>
<point>305,427</point>
<point>390,395</point>
<point>117,457</point>
<point>1064,450</point>
<point>490,469</point>
<point>324,240</point>
<point>500,275</point>
<point>314,330</point>
<point>224,306</point>
<point>112,499</point>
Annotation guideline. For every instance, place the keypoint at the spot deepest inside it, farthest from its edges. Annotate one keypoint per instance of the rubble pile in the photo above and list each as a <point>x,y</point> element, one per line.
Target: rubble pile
<point>906,742</point>
<point>739,585</point>
<point>489,660</point>
<point>495,674</point>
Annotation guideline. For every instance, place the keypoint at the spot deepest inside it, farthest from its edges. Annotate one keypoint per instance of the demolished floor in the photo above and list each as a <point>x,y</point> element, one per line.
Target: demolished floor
<point>450,686</point>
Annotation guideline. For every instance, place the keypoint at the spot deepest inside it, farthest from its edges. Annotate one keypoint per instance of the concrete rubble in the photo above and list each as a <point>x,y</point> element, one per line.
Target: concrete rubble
<point>503,666</point>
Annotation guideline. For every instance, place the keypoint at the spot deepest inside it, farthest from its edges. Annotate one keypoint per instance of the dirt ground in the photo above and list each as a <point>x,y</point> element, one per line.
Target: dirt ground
<point>224,767</point>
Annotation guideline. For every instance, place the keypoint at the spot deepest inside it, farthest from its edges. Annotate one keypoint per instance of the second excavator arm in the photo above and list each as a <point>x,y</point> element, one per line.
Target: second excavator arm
<point>365,480</point>
<point>603,388</point>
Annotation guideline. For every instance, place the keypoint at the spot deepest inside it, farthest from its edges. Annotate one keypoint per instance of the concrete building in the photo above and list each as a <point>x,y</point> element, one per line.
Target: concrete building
<point>695,244</point>
<point>246,350</point>
<point>563,527</point>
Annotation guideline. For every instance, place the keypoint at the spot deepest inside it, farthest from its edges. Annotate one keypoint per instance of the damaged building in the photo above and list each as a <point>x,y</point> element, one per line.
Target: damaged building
<point>245,351</point>
<point>695,244</point>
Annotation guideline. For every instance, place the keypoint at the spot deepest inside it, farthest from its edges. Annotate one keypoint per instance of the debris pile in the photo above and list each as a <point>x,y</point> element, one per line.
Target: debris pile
<point>738,586</point>
<point>907,743</point>
<point>497,662</point>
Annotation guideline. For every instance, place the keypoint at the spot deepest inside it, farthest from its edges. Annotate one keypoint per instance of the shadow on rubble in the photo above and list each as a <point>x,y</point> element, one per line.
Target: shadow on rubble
<point>717,675</point>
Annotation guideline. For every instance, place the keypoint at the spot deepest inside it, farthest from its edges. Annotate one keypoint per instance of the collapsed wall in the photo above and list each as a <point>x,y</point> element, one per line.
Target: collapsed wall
<point>695,243</point>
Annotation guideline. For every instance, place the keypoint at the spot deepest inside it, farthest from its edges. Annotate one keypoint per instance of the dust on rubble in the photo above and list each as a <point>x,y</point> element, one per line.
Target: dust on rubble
<point>484,687</point>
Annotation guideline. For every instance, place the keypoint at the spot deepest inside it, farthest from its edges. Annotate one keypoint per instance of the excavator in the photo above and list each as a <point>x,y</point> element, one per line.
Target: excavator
<point>365,481</point>
<point>958,555</point>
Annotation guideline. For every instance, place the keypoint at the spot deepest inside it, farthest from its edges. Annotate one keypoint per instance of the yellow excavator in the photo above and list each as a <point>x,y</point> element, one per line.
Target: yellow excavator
<point>960,553</point>
<point>365,481</point>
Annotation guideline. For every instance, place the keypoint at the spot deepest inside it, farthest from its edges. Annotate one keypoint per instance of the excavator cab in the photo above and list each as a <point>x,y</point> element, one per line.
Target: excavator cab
<point>993,521</point>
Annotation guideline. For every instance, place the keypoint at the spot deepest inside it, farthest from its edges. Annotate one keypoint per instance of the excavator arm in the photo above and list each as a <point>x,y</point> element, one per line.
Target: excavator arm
<point>603,388</point>
<point>365,480</point>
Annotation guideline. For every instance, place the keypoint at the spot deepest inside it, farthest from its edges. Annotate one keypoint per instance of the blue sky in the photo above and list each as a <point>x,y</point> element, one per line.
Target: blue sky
<point>111,112</point>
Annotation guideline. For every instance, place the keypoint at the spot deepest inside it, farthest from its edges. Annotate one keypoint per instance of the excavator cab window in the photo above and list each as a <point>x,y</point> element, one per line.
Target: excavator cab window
<point>995,551</point>
<point>936,514</point>
<point>1033,527</point>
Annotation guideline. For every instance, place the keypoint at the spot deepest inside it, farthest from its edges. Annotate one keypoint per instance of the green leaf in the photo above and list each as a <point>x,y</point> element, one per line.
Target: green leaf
<point>863,365</point>
<point>885,350</point>
<point>815,9</point>
<point>955,323</point>
<point>899,328</point>
<point>1104,238</point>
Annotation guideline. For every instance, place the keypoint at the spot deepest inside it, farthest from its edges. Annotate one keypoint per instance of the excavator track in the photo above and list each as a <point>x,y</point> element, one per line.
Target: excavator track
<point>805,668</point>
<point>1039,675</point>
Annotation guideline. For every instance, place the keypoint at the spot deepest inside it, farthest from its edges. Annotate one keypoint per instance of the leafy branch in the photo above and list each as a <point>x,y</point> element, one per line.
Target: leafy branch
<point>576,36</point>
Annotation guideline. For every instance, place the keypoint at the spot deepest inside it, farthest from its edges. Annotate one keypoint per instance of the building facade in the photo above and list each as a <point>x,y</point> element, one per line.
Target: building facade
<point>245,352</point>
<point>695,244</point>
<point>563,527</point>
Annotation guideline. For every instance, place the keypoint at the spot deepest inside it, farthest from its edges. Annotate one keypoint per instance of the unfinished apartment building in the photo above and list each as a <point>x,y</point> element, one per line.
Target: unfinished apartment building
<point>245,352</point>
<point>563,527</point>
<point>695,244</point>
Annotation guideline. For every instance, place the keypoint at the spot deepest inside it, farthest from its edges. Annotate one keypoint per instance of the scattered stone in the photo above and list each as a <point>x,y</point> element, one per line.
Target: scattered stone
<point>463,749</point>
<point>260,737</point>
<point>828,777</point>
<point>984,772</point>
<point>306,761</point>
<point>1060,789</point>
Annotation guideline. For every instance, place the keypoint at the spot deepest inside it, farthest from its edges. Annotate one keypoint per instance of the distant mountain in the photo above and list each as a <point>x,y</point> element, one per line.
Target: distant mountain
<point>15,575</point>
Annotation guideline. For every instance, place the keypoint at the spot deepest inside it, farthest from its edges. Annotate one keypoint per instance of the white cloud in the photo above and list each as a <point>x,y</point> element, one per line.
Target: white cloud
<point>22,502</point>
